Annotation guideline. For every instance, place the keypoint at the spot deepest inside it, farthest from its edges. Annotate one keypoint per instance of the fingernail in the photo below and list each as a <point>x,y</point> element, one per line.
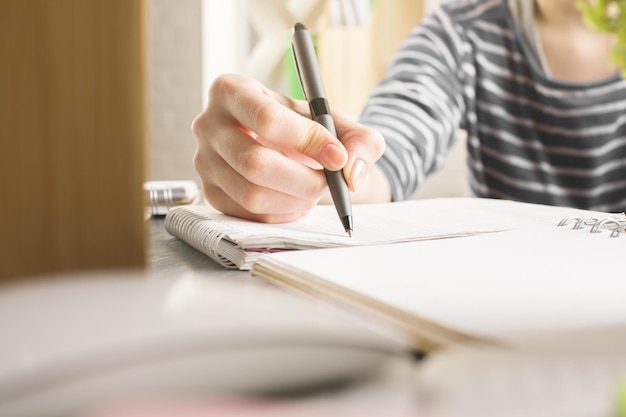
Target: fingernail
<point>358,172</point>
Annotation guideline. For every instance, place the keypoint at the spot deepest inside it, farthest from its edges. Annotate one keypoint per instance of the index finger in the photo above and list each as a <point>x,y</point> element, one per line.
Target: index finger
<point>255,108</point>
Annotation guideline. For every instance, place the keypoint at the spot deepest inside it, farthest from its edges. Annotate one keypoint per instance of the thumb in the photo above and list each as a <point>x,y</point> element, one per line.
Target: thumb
<point>364,146</point>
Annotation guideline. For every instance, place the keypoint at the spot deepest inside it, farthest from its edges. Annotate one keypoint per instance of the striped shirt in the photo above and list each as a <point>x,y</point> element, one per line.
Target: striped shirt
<point>531,137</point>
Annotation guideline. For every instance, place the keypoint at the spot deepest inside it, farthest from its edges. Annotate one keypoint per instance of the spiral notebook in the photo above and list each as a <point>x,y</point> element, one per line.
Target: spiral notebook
<point>544,285</point>
<point>237,243</point>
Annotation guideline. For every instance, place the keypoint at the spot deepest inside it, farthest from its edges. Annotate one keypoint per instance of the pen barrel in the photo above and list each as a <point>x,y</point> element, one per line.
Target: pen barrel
<point>311,81</point>
<point>341,199</point>
<point>335,179</point>
<point>306,62</point>
<point>326,120</point>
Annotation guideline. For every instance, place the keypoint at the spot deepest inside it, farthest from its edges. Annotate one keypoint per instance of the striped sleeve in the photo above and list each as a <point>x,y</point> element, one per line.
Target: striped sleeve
<point>419,105</point>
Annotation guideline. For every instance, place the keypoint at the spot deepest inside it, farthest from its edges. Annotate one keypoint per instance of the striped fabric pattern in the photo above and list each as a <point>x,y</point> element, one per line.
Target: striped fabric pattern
<point>530,137</point>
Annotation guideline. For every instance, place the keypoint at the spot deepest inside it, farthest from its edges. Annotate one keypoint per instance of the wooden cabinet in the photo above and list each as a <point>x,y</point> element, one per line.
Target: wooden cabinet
<point>72,135</point>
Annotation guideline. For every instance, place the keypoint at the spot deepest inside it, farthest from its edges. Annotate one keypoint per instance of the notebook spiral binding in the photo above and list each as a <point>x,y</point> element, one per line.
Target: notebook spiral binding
<point>204,236</point>
<point>616,225</point>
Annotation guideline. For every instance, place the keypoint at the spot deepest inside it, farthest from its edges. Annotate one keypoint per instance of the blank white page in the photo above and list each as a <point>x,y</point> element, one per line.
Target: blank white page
<point>500,285</point>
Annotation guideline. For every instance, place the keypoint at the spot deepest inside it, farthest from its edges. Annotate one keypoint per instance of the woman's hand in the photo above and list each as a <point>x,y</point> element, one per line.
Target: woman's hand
<point>259,155</point>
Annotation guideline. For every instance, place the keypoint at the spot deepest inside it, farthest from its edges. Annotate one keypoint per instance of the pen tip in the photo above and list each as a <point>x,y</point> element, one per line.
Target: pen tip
<point>346,221</point>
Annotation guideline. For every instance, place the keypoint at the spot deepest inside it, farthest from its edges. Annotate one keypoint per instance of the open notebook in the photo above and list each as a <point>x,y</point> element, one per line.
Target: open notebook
<point>546,285</point>
<point>237,243</point>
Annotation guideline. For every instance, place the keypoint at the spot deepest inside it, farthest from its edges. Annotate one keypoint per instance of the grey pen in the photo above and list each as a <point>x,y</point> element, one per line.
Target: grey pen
<point>313,87</point>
